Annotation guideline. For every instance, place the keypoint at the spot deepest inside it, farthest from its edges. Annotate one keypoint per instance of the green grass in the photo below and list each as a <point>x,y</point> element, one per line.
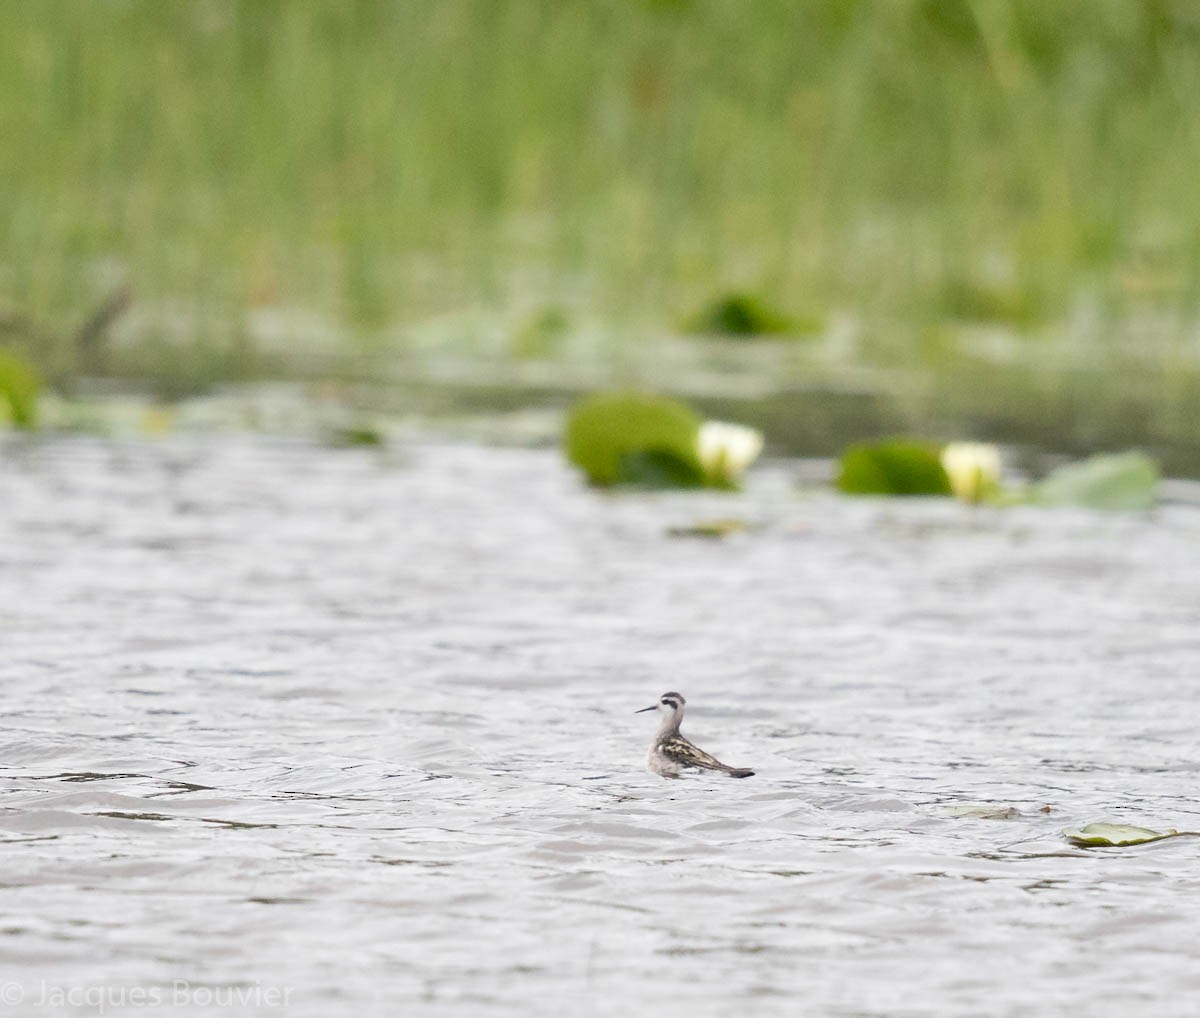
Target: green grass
<point>377,164</point>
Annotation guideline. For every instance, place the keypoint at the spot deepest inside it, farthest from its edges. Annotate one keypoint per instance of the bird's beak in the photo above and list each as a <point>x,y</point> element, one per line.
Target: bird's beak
<point>644,709</point>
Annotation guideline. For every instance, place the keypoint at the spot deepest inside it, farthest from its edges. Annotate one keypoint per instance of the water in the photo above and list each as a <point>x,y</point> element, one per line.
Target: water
<point>297,730</point>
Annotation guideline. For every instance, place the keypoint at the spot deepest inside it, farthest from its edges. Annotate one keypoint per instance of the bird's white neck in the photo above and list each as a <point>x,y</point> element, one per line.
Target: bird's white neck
<point>670,722</point>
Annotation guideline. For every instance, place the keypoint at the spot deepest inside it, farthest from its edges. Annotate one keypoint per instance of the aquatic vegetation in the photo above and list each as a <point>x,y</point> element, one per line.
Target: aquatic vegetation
<point>541,334</point>
<point>973,469</point>
<point>713,529</point>
<point>983,811</point>
<point>1113,481</point>
<point>357,435</point>
<point>643,170</point>
<point>652,441</point>
<point>744,315</point>
<point>635,438</point>
<point>973,300</point>
<point>971,472</point>
<point>19,388</point>
<point>893,467</point>
<point>1112,835</point>
<point>726,450</point>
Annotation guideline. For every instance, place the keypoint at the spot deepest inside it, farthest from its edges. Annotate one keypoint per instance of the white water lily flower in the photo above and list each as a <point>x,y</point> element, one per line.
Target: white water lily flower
<point>973,469</point>
<point>726,450</point>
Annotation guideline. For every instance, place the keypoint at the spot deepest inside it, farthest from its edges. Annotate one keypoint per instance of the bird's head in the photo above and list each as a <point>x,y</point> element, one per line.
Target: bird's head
<point>669,706</point>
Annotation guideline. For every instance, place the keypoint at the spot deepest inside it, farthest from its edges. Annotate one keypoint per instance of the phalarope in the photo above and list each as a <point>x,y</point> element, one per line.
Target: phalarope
<point>671,751</point>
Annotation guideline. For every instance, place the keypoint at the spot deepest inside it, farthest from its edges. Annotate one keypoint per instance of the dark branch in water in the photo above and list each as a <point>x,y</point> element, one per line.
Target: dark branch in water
<point>90,336</point>
<point>88,340</point>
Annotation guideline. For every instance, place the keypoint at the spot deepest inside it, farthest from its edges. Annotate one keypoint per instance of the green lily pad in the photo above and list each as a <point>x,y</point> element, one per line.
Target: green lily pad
<point>635,438</point>
<point>19,386</point>
<point>357,434</point>
<point>1115,835</point>
<point>1112,481</point>
<point>745,315</point>
<point>983,811</point>
<point>893,467</point>
<point>715,529</point>
<point>658,468</point>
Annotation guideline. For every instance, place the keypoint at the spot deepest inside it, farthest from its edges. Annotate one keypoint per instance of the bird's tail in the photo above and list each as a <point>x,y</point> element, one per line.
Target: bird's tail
<point>739,772</point>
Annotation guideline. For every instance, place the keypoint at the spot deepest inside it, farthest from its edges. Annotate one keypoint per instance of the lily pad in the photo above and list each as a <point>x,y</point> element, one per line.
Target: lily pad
<point>19,386</point>
<point>357,434</point>
<point>1112,481</point>
<point>984,811</point>
<point>1112,835</point>
<point>714,529</point>
<point>893,467</point>
<point>635,438</point>
<point>658,468</point>
<point>747,315</point>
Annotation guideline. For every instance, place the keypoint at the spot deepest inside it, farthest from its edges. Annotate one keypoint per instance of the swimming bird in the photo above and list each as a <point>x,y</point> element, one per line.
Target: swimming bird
<point>671,751</point>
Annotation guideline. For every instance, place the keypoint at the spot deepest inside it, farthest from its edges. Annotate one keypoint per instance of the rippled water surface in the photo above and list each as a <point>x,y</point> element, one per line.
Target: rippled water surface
<point>297,730</point>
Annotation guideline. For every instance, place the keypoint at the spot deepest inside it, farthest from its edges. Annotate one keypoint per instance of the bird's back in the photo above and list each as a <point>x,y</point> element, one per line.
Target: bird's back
<point>679,751</point>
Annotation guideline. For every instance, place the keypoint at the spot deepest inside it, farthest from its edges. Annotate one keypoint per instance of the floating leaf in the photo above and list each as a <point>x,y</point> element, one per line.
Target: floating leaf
<point>1116,835</point>
<point>634,438</point>
<point>712,528</point>
<point>357,434</point>
<point>19,387</point>
<point>893,467</point>
<point>984,811</point>
<point>744,314</point>
<point>1114,481</point>
<point>657,468</point>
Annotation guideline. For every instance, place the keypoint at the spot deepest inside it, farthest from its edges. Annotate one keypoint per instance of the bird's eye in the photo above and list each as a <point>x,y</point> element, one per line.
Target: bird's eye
<point>667,703</point>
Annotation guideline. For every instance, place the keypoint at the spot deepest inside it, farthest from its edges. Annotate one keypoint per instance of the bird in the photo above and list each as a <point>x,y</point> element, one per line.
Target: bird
<point>670,751</point>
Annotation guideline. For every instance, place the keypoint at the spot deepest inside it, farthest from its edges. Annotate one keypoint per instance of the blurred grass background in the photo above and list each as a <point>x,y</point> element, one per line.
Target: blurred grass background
<point>998,196</point>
